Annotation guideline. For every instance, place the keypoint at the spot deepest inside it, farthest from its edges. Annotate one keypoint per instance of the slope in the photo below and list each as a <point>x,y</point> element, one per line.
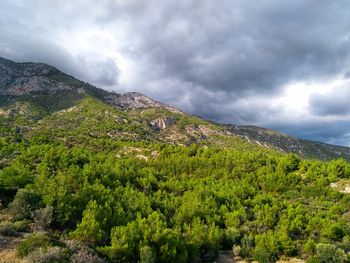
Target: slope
<point>36,98</point>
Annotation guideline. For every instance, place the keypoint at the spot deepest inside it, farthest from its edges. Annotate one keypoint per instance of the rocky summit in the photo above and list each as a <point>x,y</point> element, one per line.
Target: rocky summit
<point>35,79</point>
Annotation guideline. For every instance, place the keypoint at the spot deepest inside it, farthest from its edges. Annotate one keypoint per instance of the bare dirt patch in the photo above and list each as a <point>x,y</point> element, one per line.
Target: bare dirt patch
<point>8,249</point>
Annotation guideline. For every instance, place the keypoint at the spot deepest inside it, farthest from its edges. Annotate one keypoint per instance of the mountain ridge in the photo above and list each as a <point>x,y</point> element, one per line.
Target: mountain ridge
<point>53,91</point>
<point>28,78</point>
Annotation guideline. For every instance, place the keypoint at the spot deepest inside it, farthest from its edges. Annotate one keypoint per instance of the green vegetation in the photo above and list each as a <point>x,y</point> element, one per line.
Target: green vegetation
<point>184,205</point>
<point>125,192</point>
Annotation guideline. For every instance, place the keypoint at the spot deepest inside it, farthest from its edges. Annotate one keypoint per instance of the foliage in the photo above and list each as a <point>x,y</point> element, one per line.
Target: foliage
<point>328,253</point>
<point>25,203</point>
<point>266,248</point>
<point>176,203</point>
<point>43,217</point>
<point>7,228</point>
<point>34,242</point>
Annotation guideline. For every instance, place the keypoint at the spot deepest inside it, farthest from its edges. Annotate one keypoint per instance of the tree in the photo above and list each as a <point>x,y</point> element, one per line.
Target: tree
<point>267,248</point>
<point>89,230</point>
<point>328,253</point>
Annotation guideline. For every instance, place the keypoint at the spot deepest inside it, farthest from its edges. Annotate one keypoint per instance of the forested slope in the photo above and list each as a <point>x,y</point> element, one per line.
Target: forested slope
<point>90,176</point>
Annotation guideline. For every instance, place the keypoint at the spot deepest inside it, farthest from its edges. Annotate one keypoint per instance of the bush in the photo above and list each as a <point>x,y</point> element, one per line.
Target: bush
<point>33,242</point>
<point>339,168</point>
<point>49,255</point>
<point>43,218</point>
<point>25,203</point>
<point>328,253</point>
<point>309,246</point>
<point>22,226</point>
<point>146,255</point>
<point>313,259</point>
<point>232,235</point>
<point>267,248</point>
<point>82,253</point>
<point>7,229</point>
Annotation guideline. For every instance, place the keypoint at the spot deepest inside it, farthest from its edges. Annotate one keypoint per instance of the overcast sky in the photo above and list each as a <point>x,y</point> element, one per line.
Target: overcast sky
<point>273,63</point>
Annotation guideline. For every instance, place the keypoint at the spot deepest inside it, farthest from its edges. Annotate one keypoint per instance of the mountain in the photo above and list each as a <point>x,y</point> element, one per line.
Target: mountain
<point>40,82</point>
<point>88,175</point>
<point>288,144</point>
<point>37,98</point>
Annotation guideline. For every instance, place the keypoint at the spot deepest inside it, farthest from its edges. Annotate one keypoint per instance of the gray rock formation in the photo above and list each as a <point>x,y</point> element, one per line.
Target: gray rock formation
<point>131,100</point>
<point>135,100</point>
<point>18,79</point>
<point>162,123</point>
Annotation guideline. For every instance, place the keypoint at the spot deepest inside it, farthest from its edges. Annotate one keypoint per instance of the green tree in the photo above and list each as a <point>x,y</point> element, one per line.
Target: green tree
<point>267,248</point>
<point>328,253</point>
<point>89,230</point>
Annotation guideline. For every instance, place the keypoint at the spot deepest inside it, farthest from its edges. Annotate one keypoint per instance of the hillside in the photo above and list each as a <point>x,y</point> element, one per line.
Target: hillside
<point>288,144</point>
<point>30,92</point>
<point>92,176</point>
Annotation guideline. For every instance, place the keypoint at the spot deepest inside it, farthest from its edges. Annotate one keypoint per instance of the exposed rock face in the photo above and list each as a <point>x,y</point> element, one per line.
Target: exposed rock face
<point>18,79</point>
<point>342,186</point>
<point>25,86</point>
<point>57,92</point>
<point>134,100</point>
<point>162,123</point>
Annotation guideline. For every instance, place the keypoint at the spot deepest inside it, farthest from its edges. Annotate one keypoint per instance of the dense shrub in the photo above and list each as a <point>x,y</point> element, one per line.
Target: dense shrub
<point>183,204</point>
<point>7,228</point>
<point>267,248</point>
<point>34,242</point>
<point>43,217</point>
<point>22,226</point>
<point>25,203</point>
<point>328,253</point>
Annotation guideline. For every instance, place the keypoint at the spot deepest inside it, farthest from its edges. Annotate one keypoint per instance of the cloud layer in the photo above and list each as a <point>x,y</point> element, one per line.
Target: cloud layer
<point>280,64</point>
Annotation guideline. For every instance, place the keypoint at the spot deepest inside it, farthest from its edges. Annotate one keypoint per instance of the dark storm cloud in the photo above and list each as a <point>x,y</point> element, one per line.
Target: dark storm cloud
<point>101,72</point>
<point>336,103</point>
<point>227,60</point>
<point>28,35</point>
<point>232,50</point>
<point>243,47</point>
<point>333,133</point>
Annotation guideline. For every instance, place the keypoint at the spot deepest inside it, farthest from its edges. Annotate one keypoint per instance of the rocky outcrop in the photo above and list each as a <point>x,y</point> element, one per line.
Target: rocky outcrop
<point>162,123</point>
<point>18,79</point>
<point>42,85</point>
<point>131,100</point>
<point>135,100</point>
<point>23,78</point>
<point>29,85</point>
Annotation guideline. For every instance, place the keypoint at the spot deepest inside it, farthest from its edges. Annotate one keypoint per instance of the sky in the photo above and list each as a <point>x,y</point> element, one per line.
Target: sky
<point>278,64</point>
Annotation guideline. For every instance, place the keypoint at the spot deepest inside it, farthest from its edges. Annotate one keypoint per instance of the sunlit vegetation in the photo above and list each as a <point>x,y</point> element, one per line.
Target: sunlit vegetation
<point>182,204</point>
<point>95,184</point>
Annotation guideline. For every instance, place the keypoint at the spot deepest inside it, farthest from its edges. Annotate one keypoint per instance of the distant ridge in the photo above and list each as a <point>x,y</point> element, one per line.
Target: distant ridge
<point>51,90</point>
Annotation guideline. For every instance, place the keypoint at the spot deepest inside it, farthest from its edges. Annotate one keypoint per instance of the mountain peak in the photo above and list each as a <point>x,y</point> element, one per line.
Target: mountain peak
<point>17,79</point>
<point>132,100</point>
<point>54,91</point>
<point>40,79</point>
<point>27,69</point>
